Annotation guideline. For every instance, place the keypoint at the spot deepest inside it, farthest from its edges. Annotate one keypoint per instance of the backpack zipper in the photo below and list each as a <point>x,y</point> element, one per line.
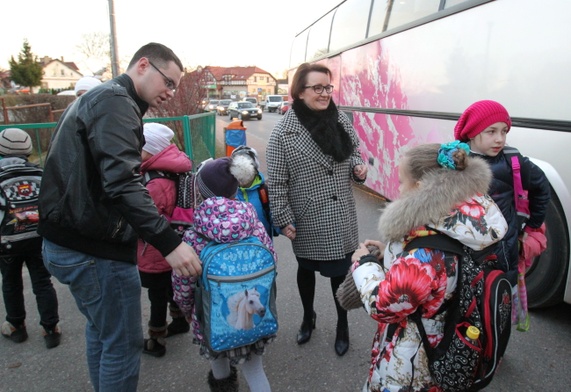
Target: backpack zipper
<point>242,278</point>
<point>232,279</point>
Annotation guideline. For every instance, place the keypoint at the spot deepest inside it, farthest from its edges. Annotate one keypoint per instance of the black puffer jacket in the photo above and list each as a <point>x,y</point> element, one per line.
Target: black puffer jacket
<point>92,199</point>
<point>502,191</point>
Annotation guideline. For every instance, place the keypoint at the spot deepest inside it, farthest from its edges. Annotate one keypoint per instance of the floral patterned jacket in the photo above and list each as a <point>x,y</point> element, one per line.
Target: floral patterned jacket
<point>222,220</point>
<point>419,278</point>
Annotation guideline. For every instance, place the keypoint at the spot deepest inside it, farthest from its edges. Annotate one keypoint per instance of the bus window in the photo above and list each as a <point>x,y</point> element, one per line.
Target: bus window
<point>378,17</point>
<point>452,3</point>
<point>298,46</point>
<point>349,24</point>
<point>318,42</point>
<point>403,12</point>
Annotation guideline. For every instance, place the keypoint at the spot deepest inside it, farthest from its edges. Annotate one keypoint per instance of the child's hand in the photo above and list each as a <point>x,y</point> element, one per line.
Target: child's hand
<point>361,251</point>
<point>379,248</point>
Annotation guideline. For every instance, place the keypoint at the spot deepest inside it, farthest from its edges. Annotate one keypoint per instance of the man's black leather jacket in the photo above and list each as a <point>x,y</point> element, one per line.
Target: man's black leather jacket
<point>91,198</point>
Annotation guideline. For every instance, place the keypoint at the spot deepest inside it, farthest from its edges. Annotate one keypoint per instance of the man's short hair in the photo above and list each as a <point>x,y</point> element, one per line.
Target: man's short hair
<point>156,53</point>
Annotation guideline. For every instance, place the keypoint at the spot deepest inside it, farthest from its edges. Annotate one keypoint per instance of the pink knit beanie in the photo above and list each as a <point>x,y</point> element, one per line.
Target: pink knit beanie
<point>479,116</point>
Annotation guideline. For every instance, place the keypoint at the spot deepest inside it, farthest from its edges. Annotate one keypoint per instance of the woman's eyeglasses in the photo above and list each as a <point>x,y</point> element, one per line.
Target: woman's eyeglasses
<point>169,83</point>
<point>318,88</point>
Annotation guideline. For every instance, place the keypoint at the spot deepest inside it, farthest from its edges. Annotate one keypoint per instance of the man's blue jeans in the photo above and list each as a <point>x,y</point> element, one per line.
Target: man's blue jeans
<point>108,293</point>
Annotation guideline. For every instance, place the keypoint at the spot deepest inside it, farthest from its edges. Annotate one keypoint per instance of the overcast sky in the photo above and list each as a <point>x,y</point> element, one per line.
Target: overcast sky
<point>211,32</point>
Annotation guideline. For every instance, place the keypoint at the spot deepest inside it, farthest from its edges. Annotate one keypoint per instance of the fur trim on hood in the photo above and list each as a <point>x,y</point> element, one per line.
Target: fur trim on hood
<point>244,169</point>
<point>439,192</point>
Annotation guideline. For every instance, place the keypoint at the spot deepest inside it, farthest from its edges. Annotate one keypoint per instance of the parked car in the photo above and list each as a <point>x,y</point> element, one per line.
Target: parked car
<point>284,106</point>
<point>67,92</point>
<point>244,111</point>
<point>211,105</point>
<point>222,108</point>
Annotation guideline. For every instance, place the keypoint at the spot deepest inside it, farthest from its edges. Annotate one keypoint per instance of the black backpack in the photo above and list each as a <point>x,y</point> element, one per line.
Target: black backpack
<point>19,190</point>
<point>183,213</point>
<point>483,299</point>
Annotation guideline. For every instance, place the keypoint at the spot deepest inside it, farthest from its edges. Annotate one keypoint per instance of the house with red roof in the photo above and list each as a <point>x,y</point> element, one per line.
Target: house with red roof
<point>239,82</point>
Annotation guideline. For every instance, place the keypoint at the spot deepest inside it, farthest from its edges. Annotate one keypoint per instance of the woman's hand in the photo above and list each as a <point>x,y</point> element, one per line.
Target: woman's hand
<point>289,231</point>
<point>360,171</point>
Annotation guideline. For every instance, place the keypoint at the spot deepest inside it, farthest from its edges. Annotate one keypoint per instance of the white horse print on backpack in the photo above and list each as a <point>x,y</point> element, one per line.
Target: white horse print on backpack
<point>243,306</point>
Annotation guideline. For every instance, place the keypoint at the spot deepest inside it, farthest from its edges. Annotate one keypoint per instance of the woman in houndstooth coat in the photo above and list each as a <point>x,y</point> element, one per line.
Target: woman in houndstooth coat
<point>313,158</point>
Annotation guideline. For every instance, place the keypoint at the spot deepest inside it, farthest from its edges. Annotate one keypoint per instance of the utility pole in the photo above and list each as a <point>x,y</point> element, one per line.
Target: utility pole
<point>113,40</point>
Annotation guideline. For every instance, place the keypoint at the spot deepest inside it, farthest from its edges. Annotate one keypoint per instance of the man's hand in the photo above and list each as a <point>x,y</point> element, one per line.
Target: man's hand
<point>184,261</point>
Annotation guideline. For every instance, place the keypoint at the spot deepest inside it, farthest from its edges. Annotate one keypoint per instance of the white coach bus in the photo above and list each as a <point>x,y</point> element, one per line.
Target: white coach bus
<point>404,71</point>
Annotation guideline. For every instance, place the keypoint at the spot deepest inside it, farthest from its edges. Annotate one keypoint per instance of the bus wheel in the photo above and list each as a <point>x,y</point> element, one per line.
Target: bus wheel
<point>546,277</point>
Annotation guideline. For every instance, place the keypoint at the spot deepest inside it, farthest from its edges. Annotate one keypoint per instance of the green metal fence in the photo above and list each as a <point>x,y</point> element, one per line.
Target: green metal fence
<point>195,134</point>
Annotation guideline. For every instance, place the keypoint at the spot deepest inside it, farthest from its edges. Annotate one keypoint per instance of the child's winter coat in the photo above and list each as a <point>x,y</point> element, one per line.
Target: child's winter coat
<point>224,221</point>
<point>502,192</point>
<point>252,195</point>
<point>419,278</point>
<point>163,192</point>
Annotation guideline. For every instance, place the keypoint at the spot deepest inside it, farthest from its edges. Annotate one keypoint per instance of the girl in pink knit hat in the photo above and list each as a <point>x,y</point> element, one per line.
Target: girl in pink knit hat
<point>484,125</point>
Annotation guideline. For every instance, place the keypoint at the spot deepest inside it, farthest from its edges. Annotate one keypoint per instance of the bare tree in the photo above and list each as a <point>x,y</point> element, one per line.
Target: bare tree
<point>95,48</point>
<point>188,98</point>
<point>187,101</point>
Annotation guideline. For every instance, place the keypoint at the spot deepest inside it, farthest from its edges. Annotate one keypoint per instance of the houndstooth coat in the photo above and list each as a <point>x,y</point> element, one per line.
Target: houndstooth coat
<point>310,190</point>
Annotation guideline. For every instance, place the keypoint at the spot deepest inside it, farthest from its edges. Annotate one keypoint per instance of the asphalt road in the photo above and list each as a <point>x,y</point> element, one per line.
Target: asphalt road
<point>537,360</point>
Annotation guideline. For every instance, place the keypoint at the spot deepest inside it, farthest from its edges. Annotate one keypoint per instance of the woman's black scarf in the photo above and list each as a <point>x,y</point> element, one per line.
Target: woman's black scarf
<point>325,129</point>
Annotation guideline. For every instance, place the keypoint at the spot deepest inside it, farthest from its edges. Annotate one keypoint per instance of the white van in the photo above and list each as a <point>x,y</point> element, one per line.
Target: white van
<point>251,99</point>
<point>272,102</point>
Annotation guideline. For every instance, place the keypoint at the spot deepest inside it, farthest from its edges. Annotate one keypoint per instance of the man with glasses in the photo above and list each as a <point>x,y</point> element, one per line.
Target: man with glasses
<point>93,207</point>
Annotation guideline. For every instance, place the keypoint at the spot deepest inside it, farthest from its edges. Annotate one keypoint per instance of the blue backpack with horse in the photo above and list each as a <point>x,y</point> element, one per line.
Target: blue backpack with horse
<point>236,294</point>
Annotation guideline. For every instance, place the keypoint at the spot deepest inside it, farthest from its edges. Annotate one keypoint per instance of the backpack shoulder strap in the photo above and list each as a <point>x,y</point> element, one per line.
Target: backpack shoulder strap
<point>444,243</point>
<point>265,199</point>
<point>151,175</point>
<point>437,241</point>
<point>514,159</point>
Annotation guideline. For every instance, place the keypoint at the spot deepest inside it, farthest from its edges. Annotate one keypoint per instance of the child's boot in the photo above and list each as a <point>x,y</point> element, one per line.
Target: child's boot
<point>178,323</point>
<point>52,336</point>
<point>156,343</point>
<point>17,334</point>
<point>228,384</point>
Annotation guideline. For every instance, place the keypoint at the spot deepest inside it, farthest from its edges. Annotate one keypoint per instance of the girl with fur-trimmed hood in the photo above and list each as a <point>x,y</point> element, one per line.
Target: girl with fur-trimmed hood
<point>442,190</point>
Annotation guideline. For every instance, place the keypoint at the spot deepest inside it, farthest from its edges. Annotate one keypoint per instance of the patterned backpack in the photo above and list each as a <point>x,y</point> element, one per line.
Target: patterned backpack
<point>236,294</point>
<point>483,299</point>
<point>19,190</point>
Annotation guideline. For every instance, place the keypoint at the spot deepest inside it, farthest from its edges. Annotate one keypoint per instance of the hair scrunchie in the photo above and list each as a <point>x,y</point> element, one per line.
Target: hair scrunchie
<point>446,151</point>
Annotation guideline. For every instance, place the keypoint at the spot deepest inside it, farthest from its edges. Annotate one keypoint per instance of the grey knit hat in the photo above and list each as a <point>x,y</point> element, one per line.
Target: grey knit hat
<point>14,141</point>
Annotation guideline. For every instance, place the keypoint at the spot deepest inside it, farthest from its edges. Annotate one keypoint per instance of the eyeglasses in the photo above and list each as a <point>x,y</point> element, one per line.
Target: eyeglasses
<point>319,88</point>
<point>169,83</point>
